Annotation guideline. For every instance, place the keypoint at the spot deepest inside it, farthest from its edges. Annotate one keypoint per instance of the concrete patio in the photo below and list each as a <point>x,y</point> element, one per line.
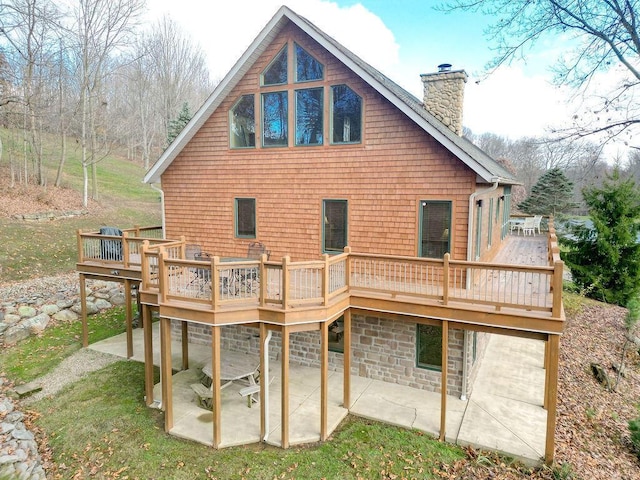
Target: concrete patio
<point>504,413</point>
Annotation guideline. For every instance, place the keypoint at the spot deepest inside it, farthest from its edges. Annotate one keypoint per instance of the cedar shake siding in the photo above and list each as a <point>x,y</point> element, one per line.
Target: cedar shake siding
<point>383,178</point>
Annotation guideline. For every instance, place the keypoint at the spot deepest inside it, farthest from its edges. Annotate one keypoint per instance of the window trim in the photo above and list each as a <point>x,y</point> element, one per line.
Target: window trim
<point>323,223</point>
<point>427,366</point>
<point>236,212</point>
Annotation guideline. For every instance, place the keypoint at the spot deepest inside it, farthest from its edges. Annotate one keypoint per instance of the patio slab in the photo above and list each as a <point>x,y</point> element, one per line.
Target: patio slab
<point>504,412</point>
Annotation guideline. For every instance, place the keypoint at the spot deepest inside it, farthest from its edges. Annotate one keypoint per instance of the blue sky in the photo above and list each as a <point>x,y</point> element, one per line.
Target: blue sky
<point>402,38</point>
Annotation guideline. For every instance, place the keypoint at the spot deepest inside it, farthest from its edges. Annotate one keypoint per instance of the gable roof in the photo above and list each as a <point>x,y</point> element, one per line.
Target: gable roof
<point>484,166</point>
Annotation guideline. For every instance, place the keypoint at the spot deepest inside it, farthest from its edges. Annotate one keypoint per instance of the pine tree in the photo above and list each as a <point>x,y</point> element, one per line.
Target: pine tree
<point>604,259</point>
<point>551,195</point>
<point>177,124</point>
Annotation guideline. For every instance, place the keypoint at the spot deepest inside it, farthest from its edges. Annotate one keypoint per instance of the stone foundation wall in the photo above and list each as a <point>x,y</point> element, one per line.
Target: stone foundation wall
<point>382,349</point>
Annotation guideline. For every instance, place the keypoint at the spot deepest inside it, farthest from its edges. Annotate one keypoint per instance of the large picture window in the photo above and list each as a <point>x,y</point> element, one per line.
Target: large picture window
<point>242,122</point>
<point>435,228</point>
<point>334,216</point>
<point>346,115</point>
<point>307,67</point>
<point>245,217</point>
<point>309,116</point>
<point>276,71</point>
<point>429,347</point>
<point>274,119</point>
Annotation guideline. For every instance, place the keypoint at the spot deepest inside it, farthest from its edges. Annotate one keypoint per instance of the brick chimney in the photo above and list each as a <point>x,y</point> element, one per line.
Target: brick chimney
<point>444,95</point>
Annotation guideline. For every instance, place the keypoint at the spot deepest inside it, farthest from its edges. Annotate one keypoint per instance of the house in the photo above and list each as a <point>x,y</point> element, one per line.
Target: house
<point>381,223</point>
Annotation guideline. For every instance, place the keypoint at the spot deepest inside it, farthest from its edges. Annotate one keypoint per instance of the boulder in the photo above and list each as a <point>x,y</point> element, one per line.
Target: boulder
<point>65,316</point>
<point>36,324</point>
<point>117,299</point>
<point>91,308</point>
<point>11,318</point>
<point>26,312</point>
<point>50,309</point>
<point>102,304</point>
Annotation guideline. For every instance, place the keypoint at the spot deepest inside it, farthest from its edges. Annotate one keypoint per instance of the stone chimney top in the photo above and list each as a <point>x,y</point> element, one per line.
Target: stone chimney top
<point>444,95</point>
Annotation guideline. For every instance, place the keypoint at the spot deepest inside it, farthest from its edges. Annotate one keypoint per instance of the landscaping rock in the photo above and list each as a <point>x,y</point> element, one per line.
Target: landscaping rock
<point>10,318</point>
<point>26,311</point>
<point>65,316</point>
<point>50,309</point>
<point>102,304</point>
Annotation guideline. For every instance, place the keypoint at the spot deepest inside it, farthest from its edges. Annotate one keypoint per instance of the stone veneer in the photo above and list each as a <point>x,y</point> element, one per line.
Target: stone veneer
<point>382,349</point>
<point>444,96</point>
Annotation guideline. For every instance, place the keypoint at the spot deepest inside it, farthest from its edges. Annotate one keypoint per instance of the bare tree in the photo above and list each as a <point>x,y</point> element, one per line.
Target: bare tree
<point>101,28</point>
<point>604,36</point>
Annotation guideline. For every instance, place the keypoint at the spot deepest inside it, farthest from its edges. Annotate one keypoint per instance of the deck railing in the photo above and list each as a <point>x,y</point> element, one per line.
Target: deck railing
<point>252,283</point>
<point>122,249</point>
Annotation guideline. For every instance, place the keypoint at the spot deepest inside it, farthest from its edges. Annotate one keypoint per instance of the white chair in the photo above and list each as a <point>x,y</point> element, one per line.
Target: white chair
<point>528,227</point>
<point>537,222</point>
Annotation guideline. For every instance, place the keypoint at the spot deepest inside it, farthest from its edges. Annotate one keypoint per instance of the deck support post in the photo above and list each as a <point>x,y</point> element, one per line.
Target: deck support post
<point>443,380</point>
<point>166,372</point>
<point>346,374</point>
<point>148,353</point>
<point>215,386</point>
<point>185,345</point>
<point>324,379</point>
<point>264,380</point>
<point>284,409</point>
<point>128,316</point>
<point>83,310</point>
<point>551,396</point>
<point>545,364</point>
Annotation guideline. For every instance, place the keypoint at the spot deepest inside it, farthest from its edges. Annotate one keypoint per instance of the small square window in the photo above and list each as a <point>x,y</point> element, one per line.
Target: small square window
<point>245,217</point>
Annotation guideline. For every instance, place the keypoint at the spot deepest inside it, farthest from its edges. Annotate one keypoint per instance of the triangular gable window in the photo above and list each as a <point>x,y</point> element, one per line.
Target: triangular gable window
<point>276,71</point>
<point>307,67</point>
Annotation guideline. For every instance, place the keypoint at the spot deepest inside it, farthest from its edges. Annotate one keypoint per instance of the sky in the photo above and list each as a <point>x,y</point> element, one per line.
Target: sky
<point>402,39</point>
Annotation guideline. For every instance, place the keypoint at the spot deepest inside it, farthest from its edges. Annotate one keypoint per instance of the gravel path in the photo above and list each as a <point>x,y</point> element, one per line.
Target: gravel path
<point>70,370</point>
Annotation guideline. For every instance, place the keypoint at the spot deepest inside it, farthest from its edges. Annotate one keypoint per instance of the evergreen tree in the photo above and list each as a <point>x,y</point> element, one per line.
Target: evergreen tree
<point>177,124</point>
<point>552,194</point>
<point>604,259</point>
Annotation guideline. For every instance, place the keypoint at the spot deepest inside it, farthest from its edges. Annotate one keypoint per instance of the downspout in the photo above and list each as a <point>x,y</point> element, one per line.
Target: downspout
<point>465,341</point>
<point>157,189</point>
<point>265,379</point>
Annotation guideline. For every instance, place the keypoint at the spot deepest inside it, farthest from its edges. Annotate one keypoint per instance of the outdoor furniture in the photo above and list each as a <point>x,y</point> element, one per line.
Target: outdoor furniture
<point>256,250</point>
<point>233,367</point>
<point>515,224</point>
<point>111,249</point>
<point>528,227</point>
<point>537,222</point>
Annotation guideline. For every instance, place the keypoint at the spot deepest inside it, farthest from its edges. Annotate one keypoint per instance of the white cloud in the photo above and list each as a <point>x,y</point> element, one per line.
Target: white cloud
<point>226,29</point>
<point>511,104</point>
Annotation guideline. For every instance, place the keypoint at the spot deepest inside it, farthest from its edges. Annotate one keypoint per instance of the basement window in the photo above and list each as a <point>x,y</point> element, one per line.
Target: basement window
<point>429,347</point>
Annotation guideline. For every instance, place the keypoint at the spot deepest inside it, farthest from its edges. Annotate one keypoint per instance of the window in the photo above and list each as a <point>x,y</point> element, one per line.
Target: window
<point>307,67</point>
<point>334,235</point>
<point>336,335</point>
<point>490,227</point>
<point>309,116</point>
<point>274,119</point>
<point>276,71</point>
<point>243,123</point>
<point>346,115</point>
<point>435,228</point>
<point>246,217</point>
<point>429,347</point>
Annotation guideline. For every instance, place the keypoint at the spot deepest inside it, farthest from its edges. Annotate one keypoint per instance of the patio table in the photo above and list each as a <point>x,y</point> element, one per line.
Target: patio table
<point>234,367</point>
